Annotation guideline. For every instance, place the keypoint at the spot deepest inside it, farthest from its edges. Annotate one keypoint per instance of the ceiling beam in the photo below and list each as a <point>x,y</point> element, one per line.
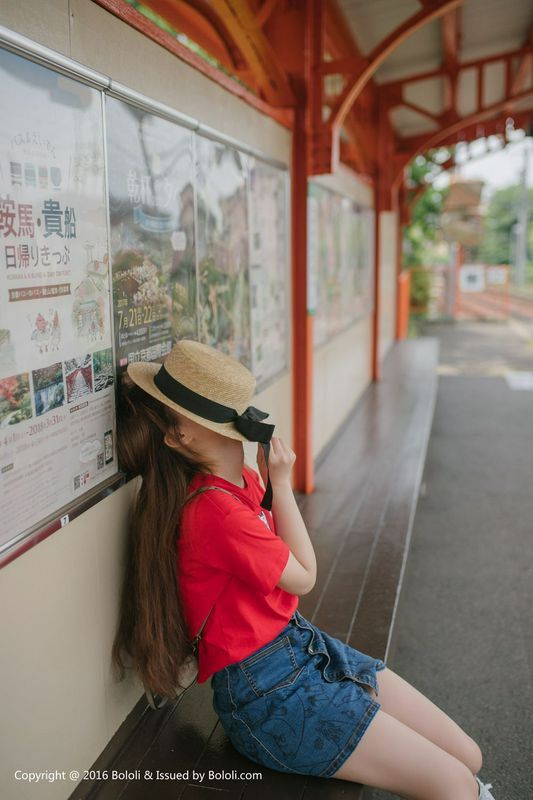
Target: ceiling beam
<point>451,41</point>
<point>265,12</point>
<point>432,10</point>
<point>129,15</point>
<point>439,72</point>
<point>257,50</point>
<point>198,21</point>
<point>523,74</point>
<point>413,145</point>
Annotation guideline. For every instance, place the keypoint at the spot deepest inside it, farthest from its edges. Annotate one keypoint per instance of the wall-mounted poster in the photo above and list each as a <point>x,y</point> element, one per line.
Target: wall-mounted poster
<point>151,207</point>
<point>223,249</point>
<point>339,256</point>
<point>269,273</point>
<point>366,256</point>
<point>57,407</point>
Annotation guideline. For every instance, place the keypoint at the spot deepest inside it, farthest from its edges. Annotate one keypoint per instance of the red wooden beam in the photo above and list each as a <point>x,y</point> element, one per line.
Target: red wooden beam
<point>326,156</point>
<point>410,143</point>
<point>523,73</point>
<point>129,15</point>
<point>382,51</point>
<point>472,63</point>
<point>480,90</point>
<point>451,36</point>
<point>302,339</point>
<point>257,50</point>
<point>359,126</point>
<point>419,110</point>
<point>265,12</point>
<point>418,144</point>
<point>197,20</point>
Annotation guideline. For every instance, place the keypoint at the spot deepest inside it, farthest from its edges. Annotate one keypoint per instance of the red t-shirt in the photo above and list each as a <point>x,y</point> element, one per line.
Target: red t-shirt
<point>229,555</point>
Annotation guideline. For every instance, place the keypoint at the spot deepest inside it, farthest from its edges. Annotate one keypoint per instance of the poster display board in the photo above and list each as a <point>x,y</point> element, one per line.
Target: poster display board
<point>121,232</point>
<point>365,251</point>
<point>223,254</point>
<point>151,209</point>
<point>340,258</point>
<point>57,408</point>
<point>269,269</point>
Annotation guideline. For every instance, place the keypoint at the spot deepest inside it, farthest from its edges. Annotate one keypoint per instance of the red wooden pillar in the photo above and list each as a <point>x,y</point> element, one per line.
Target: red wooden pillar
<point>307,121</point>
<point>375,363</point>
<point>385,199</point>
<point>302,322</point>
<point>403,277</point>
<point>381,203</point>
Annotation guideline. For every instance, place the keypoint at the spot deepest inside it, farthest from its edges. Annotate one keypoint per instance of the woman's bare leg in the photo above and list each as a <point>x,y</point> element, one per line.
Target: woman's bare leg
<point>401,700</point>
<point>394,757</point>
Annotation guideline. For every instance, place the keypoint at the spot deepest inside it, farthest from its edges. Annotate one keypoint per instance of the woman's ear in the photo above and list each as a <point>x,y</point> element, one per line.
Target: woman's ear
<point>172,439</point>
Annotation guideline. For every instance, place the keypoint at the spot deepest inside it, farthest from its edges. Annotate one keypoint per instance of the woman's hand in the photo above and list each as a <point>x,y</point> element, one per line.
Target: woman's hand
<point>280,461</point>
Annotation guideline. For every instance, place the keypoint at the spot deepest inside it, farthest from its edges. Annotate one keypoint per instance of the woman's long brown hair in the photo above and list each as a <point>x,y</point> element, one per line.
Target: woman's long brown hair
<point>151,629</point>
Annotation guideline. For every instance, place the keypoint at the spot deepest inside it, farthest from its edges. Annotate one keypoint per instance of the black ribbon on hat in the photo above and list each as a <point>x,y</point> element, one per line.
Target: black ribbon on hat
<point>248,423</point>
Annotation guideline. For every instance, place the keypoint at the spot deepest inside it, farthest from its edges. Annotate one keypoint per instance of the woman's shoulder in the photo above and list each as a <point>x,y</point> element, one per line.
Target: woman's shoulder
<point>252,473</point>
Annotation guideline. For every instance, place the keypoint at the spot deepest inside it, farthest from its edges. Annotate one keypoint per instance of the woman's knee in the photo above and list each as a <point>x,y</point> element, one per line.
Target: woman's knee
<point>473,756</point>
<point>403,701</point>
<point>393,757</point>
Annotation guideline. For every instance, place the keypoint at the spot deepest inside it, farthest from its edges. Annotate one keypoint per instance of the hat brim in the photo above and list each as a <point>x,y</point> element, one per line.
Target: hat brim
<point>142,373</point>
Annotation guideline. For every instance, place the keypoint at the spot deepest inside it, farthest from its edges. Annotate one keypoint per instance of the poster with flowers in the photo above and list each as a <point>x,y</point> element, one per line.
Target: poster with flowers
<point>56,384</point>
<point>151,208</point>
<point>223,250</point>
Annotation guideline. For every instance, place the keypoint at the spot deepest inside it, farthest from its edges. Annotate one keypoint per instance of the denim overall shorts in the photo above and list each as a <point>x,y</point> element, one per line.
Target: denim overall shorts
<point>297,704</point>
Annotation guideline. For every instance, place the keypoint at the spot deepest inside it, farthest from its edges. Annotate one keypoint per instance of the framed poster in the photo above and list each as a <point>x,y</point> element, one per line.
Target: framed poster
<point>151,210</point>
<point>57,403</point>
<point>366,257</point>
<point>472,278</point>
<point>223,250</point>
<point>340,256</point>
<point>269,269</point>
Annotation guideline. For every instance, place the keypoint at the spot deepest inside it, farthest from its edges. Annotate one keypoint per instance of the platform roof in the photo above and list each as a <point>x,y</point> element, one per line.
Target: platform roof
<point>472,32</point>
<point>384,79</point>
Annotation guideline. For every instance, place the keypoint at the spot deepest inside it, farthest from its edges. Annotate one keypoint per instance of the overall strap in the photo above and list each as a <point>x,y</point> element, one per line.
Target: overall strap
<point>196,639</point>
<point>205,488</point>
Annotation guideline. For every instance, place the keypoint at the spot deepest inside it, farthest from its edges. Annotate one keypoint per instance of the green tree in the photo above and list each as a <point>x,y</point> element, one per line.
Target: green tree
<point>420,235</point>
<point>497,246</point>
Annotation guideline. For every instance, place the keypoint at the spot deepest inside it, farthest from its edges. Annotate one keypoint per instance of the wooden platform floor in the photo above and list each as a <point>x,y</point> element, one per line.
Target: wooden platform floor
<point>359,519</point>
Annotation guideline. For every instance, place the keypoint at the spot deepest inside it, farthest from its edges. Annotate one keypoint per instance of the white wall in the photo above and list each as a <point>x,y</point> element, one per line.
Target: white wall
<point>342,371</point>
<point>60,705</point>
<point>342,365</point>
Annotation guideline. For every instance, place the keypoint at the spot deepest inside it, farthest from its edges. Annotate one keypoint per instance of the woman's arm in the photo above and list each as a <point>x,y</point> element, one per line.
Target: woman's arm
<point>299,575</point>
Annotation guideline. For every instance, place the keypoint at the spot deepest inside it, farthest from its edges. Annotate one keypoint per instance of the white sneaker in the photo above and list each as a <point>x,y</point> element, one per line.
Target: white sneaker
<point>484,793</point>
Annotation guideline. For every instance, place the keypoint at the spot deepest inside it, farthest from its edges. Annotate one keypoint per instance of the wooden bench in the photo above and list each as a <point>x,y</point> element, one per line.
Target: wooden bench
<point>359,518</point>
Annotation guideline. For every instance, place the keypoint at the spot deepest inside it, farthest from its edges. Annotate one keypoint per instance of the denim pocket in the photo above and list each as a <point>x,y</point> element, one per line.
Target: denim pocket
<point>271,668</point>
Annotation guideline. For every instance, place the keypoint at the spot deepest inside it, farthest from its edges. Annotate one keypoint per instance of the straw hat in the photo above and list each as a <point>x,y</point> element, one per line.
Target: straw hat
<point>209,387</point>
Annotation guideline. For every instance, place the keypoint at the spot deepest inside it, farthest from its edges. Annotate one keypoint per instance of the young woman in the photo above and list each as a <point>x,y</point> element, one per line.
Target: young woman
<point>289,695</point>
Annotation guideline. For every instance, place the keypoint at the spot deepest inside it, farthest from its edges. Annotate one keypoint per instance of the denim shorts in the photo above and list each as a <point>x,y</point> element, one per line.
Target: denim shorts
<point>297,704</point>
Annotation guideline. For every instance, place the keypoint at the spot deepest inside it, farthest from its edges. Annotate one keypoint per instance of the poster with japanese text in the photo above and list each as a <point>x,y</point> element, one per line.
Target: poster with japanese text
<point>151,208</point>
<point>269,269</point>
<point>223,249</point>
<point>57,406</point>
